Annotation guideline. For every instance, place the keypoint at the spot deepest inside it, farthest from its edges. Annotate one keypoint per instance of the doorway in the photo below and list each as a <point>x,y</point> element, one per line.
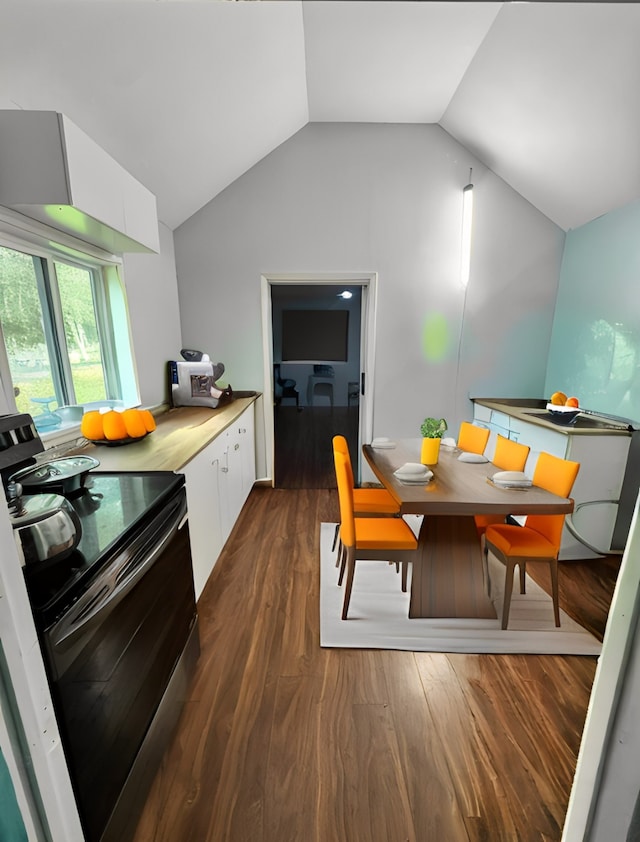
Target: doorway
<point>319,340</point>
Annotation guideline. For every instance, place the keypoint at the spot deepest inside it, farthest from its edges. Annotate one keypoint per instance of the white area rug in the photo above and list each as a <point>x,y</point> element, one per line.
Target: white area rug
<point>378,615</point>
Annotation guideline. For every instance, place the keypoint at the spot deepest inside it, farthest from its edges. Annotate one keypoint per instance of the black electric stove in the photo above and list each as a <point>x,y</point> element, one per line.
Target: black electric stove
<point>117,627</point>
<point>111,507</point>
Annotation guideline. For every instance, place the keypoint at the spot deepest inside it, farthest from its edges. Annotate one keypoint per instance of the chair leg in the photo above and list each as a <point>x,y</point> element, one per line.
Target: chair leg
<point>343,563</point>
<point>405,569</point>
<point>508,587</point>
<point>554,590</point>
<point>335,537</point>
<point>523,575</point>
<point>485,565</point>
<point>351,566</point>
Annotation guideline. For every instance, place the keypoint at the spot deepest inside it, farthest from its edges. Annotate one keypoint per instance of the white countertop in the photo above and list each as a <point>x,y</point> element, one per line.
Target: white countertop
<point>532,412</point>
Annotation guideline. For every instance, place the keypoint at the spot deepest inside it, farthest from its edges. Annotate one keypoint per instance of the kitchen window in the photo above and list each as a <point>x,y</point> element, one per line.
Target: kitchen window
<point>65,333</point>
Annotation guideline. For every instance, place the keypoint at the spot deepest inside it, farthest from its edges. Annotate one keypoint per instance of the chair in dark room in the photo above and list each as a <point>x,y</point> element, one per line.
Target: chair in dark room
<point>284,387</point>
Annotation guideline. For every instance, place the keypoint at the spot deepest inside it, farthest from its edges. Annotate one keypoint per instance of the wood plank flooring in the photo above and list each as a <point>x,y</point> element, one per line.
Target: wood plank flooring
<point>303,449</point>
<point>282,741</point>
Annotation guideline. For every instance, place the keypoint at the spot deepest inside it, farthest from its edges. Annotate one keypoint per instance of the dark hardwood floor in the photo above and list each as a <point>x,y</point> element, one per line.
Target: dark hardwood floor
<point>303,449</point>
<point>283,741</point>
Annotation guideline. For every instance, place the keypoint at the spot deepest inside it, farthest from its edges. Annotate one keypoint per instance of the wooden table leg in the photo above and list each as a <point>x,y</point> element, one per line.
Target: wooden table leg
<point>448,577</point>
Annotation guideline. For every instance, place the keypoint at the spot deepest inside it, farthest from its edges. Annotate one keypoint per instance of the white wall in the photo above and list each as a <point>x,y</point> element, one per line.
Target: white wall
<point>620,785</point>
<point>154,314</point>
<point>604,798</point>
<point>386,199</point>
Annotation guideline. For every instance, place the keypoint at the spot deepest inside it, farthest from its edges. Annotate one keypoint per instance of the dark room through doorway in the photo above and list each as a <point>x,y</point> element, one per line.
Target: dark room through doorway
<point>316,332</point>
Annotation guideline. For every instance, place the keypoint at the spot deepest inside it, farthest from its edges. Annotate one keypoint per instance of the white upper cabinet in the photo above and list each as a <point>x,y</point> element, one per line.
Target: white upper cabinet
<point>50,170</point>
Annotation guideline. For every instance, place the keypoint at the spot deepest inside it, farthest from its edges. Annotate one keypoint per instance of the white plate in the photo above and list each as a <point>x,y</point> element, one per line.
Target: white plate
<point>408,481</point>
<point>383,442</point>
<point>511,479</point>
<point>412,469</point>
<point>472,457</point>
<point>552,407</point>
<point>413,472</point>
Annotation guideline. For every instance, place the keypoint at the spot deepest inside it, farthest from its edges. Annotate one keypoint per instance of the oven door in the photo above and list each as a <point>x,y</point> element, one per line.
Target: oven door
<point>112,654</point>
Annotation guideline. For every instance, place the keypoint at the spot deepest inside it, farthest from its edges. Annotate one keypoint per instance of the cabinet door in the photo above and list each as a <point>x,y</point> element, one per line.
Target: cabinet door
<point>237,469</point>
<point>603,460</point>
<point>231,492</point>
<point>247,438</point>
<point>203,476</point>
<point>218,482</point>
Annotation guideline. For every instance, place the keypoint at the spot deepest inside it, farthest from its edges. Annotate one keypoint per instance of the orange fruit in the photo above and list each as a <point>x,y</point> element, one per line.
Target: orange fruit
<point>134,423</point>
<point>148,420</point>
<point>114,426</point>
<point>572,402</point>
<point>558,399</point>
<point>91,425</point>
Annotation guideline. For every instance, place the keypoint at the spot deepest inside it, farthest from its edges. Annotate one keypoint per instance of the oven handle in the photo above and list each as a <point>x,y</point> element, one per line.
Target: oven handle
<point>112,592</point>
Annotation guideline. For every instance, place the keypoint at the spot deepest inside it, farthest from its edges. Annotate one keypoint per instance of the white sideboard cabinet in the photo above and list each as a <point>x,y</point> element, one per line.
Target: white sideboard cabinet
<point>602,456</point>
<point>218,482</point>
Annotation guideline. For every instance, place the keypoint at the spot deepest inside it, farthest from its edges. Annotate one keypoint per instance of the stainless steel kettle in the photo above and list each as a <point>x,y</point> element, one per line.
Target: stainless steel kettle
<point>46,527</point>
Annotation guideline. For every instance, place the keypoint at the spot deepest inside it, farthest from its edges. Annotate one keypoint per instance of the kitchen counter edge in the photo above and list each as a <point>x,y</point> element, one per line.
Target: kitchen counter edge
<point>181,433</point>
<point>520,408</point>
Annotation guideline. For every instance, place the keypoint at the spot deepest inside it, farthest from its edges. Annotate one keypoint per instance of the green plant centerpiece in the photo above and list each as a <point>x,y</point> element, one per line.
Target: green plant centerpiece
<point>432,430</point>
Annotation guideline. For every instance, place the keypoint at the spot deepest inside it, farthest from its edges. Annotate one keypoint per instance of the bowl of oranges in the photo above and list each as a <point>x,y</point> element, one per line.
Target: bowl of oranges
<point>115,427</point>
<point>563,409</point>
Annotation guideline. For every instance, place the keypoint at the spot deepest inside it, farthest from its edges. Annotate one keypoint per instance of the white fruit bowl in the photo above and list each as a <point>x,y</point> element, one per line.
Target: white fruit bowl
<point>565,414</point>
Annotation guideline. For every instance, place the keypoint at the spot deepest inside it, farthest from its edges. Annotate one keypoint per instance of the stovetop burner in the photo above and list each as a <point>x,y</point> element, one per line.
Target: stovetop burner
<point>110,505</point>
<point>109,508</point>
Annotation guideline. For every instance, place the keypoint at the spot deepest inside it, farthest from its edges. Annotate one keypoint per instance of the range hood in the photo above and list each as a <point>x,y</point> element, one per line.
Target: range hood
<point>51,171</point>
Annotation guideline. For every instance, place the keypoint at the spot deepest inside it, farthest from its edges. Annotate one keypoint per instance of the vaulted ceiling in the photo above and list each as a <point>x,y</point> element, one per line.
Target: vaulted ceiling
<point>189,94</point>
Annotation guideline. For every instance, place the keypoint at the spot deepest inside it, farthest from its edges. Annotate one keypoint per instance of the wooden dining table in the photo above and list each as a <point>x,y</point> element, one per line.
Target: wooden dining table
<point>449,576</point>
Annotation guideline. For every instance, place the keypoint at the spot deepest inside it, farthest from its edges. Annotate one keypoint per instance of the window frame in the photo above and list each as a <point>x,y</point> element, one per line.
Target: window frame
<point>30,237</point>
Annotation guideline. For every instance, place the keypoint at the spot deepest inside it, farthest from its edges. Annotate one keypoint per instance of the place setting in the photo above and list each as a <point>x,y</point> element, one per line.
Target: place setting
<point>413,473</point>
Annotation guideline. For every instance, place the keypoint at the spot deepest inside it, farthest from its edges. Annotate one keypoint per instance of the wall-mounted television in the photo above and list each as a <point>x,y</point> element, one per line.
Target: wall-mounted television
<point>315,336</point>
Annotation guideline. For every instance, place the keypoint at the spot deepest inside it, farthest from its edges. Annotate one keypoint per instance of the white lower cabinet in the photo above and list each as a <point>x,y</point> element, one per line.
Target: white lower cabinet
<point>218,482</point>
<point>237,469</point>
<point>603,460</point>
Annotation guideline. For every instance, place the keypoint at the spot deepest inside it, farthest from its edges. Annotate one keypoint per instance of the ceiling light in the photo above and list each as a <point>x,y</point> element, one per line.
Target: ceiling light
<point>467,221</point>
<point>345,294</point>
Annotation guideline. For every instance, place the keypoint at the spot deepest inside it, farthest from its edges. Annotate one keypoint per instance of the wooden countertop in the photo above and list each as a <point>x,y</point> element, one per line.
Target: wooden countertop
<point>534,412</point>
<point>180,434</point>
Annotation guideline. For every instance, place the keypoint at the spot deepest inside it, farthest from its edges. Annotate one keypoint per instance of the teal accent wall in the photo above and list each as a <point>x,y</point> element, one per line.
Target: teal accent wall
<point>595,341</point>
<point>12,827</point>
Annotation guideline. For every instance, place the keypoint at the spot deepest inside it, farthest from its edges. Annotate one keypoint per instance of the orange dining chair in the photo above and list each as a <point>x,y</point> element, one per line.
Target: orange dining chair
<point>373,538</point>
<point>366,501</point>
<point>539,539</point>
<point>471,438</point>
<point>508,456</point>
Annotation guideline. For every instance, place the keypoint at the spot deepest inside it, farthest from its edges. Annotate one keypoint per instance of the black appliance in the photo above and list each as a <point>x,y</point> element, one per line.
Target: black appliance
<point>118,630</point>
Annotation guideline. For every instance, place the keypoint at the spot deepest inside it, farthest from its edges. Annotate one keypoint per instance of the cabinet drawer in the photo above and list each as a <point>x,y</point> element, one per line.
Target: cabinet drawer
<point>500,419</point>
<point>481,413</point>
